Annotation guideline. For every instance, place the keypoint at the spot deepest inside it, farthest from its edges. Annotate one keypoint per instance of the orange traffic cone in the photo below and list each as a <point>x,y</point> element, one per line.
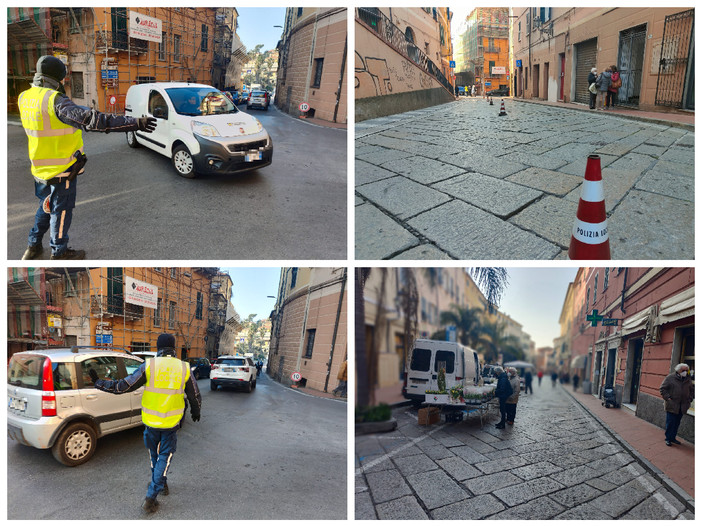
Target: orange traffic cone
<point>590,239</point>
<point>502,109</point>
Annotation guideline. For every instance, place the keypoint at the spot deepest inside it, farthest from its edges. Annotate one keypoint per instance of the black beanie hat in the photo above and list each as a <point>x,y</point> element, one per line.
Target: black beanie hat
<point>51,67</point>
<point>165,341</point>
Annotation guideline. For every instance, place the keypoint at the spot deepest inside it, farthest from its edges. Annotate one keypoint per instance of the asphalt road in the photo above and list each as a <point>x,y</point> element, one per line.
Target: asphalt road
<point>555,462</point>
<point>456,181</point>
<point>132,204</point>
<point>271,454</point>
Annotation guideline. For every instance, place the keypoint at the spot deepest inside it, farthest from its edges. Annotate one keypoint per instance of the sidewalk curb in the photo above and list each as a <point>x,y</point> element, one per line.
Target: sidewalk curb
<point>569,106</point>
<point>308,122</point>
<point>276,382</point>
<point>671,486</point>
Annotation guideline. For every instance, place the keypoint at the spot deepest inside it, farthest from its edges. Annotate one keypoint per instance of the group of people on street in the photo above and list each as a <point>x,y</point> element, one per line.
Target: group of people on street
<point>507,392</point>
<point>604,87</point>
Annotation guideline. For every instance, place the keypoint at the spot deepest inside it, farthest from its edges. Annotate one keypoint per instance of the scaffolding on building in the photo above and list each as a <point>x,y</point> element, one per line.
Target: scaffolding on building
<point>62,307</point>
<point>484,22</point>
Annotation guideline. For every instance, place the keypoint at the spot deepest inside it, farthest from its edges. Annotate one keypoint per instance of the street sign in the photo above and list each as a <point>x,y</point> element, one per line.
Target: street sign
<point>113,100</point>
<point>595,318</point>
<point>452,63</point>
<point>611,322</point>
<point>451,333</point>
<point>519,63</point>
<point>304,107</point>
<point>108,74</point>
<point>488,83</point>
<point>296,377</point>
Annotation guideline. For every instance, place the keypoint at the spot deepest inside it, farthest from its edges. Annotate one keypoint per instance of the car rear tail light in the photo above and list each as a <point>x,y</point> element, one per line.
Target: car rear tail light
<point>48,396</point>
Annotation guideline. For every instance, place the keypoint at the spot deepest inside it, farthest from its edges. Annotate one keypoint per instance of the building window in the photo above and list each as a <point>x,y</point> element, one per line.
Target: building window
<point>605,283</point>
<point>293,277</point>
<point>77,85</point>
<point>409,35</point>
<point>519,31</point>
<point>115,291</point>
<point>318,65</point>
<point>162,47</point>
<point>176,48</point>
<point>587,301</point>
<point>310,342</point>
<point>140,347</point>
<point>594,293</point>
<point>442,36</point>
<point>491,64</point>
<point>174,272</point>
<point>424,309</point>
<point>157,269</point>
<point>158,312</point>
<point>299,11</point>
<point>171,314</point>
<point>198,307</point>
<point>74,17</point>
<point>203,38</point>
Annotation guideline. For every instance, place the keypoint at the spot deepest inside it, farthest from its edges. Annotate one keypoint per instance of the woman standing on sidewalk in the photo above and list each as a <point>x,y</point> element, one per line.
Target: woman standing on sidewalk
<point>602,83</point>
<point>591,78</point>
<point>613,87</point>
<point>678,392</point>
<point>511,403</point>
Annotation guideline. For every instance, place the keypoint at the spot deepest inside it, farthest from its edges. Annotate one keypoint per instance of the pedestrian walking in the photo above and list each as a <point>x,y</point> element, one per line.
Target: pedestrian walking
<point>678,392</point>
<point>592,87</point>
<point>540,375</point>
<point>54,124</point>
<point>503,391</point>
<point>342,376</point>
<point>472,91</point>
<point>167,379</point>
<point>613,87</point>
<point>528,377</point>
<point>511,402</point>
<point>603,81</point>
<point>576,381</point>
<point>554,378</point>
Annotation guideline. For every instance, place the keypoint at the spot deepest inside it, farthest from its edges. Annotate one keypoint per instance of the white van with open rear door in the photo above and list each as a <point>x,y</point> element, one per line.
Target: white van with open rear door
<point>461,364</point>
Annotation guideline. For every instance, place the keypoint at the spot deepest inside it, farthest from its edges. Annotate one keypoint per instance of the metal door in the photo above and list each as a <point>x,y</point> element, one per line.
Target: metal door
<point>675,87</point>
<point>632,44</point>
<point>585,60</point>
<point>562,75</point>
<point>636,371</point>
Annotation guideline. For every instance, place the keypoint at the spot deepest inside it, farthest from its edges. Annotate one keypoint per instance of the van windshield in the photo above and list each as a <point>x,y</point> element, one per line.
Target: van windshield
<point>195,101</point>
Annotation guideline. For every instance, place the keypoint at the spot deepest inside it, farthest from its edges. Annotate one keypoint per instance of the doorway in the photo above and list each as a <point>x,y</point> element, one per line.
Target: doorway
<point>635,358</point>
<point>596,374</point>
<point>545,80</point>
<point>561,75</point>
<point>632,44</point>
<point>535,77</point>
<point>609,372</point>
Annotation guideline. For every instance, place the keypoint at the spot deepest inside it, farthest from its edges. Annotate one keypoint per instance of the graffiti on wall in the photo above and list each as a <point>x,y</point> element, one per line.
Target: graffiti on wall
<point>375,76</point>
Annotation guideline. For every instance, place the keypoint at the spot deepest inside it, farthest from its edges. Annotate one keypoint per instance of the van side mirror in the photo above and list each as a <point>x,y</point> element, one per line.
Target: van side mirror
<point>160,113</point>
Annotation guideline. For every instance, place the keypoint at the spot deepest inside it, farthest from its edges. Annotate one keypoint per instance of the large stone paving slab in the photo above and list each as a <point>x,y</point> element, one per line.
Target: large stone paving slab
<point>405,508</point>
<point>370,173</point>
<point>679,187</point>
<point>402,197</point>
<point>541,508</point>
<point>466,232</point>
<point>379,156</point>
<point>436,489</point>
<point>548,181</point>
<point>499,197</point>
<point>387,485</point>
<point>458,468</point>
<point>489,483</point>
<point>485,164</point>
<point>423,170</point>
<point>527,491</point>
<point>652,226</point>
<point>550,218</point>
<point>424,252</point>
<point>470,509</point>
<point>364,509</point>
<point>378,236</point>
<point>415,464</point>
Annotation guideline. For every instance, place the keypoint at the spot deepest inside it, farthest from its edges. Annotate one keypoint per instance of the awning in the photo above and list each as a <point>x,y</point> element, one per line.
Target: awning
<point>578,362</point>
<point>637,322</point>
<point>679,306</point>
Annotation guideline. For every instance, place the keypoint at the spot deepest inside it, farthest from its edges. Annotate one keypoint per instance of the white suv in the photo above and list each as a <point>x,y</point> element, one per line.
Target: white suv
<point>233,371</point>
<point>52,402</point>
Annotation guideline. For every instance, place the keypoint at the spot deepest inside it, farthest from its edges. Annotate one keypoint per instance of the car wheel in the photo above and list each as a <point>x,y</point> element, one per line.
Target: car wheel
<point>248,386</point>
<point>75,445</point>
<point>132,140</point>
<point>183,162</point>
<point>248,107</point>
<point>213,386</point>
<point>254,384</point>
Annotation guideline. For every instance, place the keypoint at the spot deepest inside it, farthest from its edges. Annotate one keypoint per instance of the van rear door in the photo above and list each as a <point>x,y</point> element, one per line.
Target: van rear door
<point>445,359</point>
<point>418,375</point>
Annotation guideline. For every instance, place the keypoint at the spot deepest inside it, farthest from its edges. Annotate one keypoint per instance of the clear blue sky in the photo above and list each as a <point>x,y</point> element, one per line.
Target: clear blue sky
<point>250,289</point>
<point>534,297</point>
<point>256,26</point>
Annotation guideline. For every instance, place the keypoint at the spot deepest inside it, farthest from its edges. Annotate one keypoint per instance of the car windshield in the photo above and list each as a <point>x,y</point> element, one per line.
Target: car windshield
<point>26,371</point>
<point>195,101</point>
<point>231,361</point>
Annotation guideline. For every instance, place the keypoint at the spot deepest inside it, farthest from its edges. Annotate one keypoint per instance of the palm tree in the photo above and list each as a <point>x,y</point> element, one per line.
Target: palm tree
<point>494,341</point>
<point>493,281</point>
<point>467,321</point>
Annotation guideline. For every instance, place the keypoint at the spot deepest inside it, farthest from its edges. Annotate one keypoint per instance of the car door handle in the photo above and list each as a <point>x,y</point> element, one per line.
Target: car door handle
<point>91,397</point>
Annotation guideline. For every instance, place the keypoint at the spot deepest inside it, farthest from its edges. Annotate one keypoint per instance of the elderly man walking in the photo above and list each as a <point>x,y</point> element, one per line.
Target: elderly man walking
<point>502,392</point>
<point>678,391</point>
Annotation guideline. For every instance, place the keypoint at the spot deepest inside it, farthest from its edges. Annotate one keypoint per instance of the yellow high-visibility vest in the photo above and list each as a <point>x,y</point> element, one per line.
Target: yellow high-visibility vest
<point>51,142</point>
<point>163,401</point>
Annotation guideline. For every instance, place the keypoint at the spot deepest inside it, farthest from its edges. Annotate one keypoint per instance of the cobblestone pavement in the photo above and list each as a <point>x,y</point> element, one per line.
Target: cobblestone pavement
<point>456,181</point>
<point>556,462</point>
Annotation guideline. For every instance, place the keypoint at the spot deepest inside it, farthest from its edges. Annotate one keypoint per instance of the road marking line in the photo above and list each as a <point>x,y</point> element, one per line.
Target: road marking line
<point>648,487</point>
<point>385,457</point>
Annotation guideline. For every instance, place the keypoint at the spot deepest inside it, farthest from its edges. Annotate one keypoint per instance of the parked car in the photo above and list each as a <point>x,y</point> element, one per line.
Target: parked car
<point>52,403</point>
<point>199,128</point>
<point>258,99</point>
<point>499,92</point>
<point>233,371</point>
<point>144,355</point>
<point>199,367</point>
<point>461,366</point>
<point>243,96</point>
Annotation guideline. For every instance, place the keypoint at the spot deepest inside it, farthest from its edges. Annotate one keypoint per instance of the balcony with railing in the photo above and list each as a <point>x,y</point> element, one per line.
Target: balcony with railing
<point>119,41</point>
<point>394,37</point>
<point>109,306</point>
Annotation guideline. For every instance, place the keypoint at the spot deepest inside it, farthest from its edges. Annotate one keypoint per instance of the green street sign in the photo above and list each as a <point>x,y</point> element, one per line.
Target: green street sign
<point>610,322</point>
<point>594,318</point>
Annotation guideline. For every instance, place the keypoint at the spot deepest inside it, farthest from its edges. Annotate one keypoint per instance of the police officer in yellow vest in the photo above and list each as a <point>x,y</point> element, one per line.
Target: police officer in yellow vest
<point>53,124</point>
<point>167,381</point>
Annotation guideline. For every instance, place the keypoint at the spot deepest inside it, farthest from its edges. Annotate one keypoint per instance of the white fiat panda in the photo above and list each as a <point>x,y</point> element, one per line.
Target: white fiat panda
<point>199,128</point>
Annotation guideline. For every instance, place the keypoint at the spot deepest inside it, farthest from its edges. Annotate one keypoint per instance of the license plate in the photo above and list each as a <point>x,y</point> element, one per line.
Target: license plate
<point>254,156</point>
<point>17,404</point>
<point>227,369</point>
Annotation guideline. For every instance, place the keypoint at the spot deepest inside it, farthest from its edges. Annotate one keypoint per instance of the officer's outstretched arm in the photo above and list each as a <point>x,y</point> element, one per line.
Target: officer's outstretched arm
<point>126,385</point>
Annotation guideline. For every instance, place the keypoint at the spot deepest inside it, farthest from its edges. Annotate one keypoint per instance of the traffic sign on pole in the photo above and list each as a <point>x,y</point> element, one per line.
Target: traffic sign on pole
<point>304,107</point>
<point>296,377</point>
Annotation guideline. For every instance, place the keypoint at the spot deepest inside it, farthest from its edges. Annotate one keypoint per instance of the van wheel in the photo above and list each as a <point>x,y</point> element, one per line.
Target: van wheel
<point>132,140</point>
<point>183,162</point>
<point>75,445</point>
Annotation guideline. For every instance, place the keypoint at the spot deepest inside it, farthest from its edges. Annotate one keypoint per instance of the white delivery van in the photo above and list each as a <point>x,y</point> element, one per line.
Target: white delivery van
<point>199,128</point>
<point>461,364</point>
